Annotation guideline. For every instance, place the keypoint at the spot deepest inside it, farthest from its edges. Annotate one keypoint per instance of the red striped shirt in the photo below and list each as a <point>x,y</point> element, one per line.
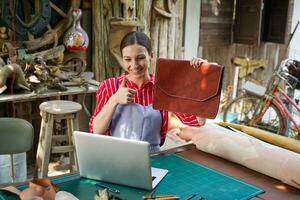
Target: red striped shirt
<point>143,96</point>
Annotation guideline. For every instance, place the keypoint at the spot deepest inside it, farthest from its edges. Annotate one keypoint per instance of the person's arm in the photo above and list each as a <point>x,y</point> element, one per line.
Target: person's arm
<point>102,120</point>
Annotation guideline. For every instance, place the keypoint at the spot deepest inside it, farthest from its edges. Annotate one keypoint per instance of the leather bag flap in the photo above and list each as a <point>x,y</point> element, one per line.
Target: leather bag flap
<point>177,78</point>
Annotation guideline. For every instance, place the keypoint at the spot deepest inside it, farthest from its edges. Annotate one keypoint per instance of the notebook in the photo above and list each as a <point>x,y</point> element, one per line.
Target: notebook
<point>116,160</point>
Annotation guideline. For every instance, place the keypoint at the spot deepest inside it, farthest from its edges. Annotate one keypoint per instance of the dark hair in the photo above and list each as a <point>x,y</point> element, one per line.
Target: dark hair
<point>136,37</point>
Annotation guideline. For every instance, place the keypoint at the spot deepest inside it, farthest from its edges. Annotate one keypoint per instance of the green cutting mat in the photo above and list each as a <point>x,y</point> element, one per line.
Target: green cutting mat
<point>184,179</point>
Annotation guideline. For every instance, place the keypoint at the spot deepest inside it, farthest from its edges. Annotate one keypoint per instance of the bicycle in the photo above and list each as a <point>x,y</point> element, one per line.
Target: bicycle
<point>267,110</point>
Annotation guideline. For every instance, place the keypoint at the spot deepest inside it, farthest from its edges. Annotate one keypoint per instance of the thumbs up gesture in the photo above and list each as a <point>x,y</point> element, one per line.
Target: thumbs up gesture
<point>124,95</point>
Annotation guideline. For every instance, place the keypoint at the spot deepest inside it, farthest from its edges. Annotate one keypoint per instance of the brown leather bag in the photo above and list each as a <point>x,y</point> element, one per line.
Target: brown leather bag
<point>181,88</point>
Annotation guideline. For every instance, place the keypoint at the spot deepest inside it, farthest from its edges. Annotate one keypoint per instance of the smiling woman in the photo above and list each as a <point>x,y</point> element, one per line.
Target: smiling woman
<point>124,104</point>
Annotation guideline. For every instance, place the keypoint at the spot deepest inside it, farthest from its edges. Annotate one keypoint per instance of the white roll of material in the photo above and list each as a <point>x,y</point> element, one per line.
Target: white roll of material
<point>250,152</point>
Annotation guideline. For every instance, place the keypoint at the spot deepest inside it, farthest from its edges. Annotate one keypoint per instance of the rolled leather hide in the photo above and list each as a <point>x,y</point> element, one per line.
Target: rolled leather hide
<point>250,152</point>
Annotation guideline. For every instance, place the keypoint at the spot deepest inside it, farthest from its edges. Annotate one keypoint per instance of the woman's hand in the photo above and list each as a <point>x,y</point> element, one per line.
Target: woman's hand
<point>184,133</point>
<point>201,121</point>
<point>124,95</point>
<point>197,62</point>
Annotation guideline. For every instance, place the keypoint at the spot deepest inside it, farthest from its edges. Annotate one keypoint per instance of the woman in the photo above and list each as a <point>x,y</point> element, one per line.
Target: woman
<point>124,103</point>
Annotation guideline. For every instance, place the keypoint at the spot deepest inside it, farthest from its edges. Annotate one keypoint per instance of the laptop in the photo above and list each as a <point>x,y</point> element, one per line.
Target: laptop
<point>116,160</point>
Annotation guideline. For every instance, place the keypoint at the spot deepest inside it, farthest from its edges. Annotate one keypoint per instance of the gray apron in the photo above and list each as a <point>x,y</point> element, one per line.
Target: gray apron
<point>137,122</point>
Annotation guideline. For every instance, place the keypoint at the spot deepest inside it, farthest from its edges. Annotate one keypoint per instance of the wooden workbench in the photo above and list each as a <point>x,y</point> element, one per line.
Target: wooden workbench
<point>29,96</point>
<point>25,105</point>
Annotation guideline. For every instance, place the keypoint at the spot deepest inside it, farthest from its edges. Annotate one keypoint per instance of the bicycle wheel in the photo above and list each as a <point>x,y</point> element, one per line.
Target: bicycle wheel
<point>273,120</point>
<point>240,110</point>
<point>243,110</point>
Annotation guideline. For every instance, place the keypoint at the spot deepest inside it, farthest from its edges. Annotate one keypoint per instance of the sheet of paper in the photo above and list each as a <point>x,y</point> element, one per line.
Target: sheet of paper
<point>157,175</point>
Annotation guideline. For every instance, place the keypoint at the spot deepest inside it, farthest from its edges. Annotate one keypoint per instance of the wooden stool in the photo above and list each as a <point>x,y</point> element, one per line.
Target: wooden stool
<point>52,111</point>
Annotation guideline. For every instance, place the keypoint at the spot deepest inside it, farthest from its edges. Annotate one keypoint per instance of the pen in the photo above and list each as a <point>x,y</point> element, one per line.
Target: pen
<point>108,188</point>
<point>161,197</point>
<point>192,196</point>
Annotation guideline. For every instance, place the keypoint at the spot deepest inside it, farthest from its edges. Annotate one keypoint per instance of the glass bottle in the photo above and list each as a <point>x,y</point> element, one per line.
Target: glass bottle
<point>76,39</point>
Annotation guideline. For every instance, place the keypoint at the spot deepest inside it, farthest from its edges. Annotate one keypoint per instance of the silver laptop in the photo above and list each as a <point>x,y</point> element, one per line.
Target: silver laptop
<point>116,160</point>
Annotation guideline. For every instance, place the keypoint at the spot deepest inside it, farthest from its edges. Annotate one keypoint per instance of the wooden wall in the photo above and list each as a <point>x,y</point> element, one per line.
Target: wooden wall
<point>166,29</point>
<point>215,43</point>
<point>162,20</point>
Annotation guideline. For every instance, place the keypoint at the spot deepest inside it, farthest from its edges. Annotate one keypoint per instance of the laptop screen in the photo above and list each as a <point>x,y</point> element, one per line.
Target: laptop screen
<point>115,160</point>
